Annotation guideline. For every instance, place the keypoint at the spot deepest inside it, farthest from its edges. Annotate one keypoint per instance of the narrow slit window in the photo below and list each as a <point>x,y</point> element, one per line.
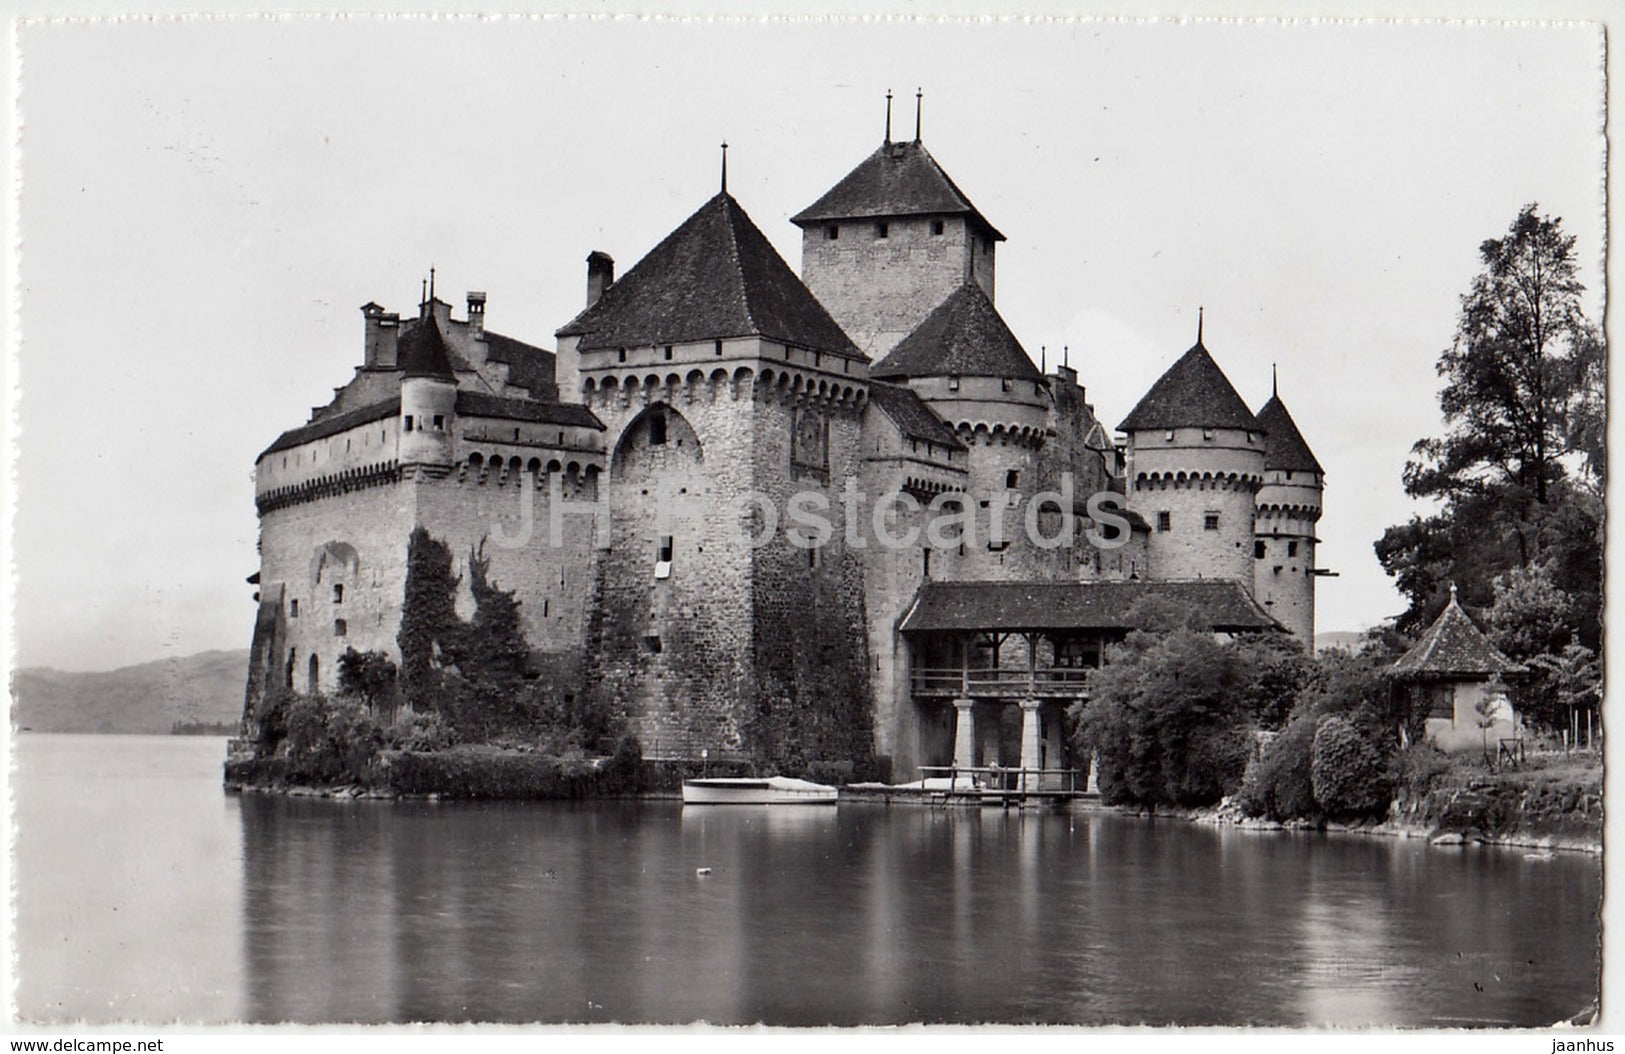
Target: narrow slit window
<point>833,231</point>
<point>657,429</point>
<point>338,592</point>
<point>664,549</point>
<point>340,627</point>
<point>408,424</point>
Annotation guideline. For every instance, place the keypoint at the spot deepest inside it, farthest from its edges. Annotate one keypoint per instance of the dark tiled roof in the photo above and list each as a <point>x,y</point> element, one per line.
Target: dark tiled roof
<point>912,417</point>
<point>1284,448</point>
<point>1075,605</point>
<point>1453,647</point>
<point>528,366</point>
<point>333,424</point>
<point>422,351</point>
<point>899,179</point>
<point>715,276</point>
<point>478,404</point>
<point>963,337</point>
<point>1194,393</point>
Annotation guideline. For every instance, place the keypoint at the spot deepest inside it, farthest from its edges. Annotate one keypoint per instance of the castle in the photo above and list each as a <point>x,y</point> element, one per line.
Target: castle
<point>648,490</point>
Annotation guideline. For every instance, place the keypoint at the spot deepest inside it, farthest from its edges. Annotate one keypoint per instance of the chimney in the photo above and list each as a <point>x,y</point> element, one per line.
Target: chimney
<point>371,313</point>
<point>600,275</point>
<point>1067,374</point>
<point>389,334</point>
<point>476,313</point>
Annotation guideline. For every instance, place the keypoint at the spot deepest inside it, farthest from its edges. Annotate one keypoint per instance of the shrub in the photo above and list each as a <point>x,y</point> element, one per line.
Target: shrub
<point>1420,767</point>
<point>420,731</point>
<point>1279,784</point>
<point>1347,771</point>
<point>331,741</point>
<point>476,772</point>
<point>835,773</point>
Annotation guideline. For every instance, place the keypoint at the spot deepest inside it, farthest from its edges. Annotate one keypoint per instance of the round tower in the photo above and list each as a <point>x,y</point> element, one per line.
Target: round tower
<point>967,366</point>
<point>1195,465</point>
<point>428,401</point>
<point>1289,505</point>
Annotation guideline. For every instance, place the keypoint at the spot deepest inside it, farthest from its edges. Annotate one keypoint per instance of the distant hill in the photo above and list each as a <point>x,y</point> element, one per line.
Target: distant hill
<point>151,697</point>
<point>1349,639</point>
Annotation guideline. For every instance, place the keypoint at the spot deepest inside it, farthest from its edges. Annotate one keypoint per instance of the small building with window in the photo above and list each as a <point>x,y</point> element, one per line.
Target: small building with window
<point>1453,669</point>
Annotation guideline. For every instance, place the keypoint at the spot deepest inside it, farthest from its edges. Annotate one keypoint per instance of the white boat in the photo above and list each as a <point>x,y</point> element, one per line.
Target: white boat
<point>771,790</point>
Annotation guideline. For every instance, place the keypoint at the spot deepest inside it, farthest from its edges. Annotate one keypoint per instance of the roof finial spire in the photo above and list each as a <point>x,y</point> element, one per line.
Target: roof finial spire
<point>1275,382</point>
<point>919,94</point>
<point>431,281</point>
<point>423,295</point>
<point>1452,592</point>
<point>1043,358</point>
<point>1199,313</point>
<point>725,166</point>
<point>888,116</point>
<point>1066,355</point>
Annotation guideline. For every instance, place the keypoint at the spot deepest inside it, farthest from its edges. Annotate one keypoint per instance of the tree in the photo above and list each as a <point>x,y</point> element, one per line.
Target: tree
<point>1167,719</point>
<point>1279,671</point>
<point>1518,471</point>
<point>370,677</point>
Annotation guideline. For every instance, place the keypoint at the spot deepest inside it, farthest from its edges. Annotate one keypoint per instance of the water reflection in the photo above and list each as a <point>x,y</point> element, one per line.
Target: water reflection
<point>369,912</point>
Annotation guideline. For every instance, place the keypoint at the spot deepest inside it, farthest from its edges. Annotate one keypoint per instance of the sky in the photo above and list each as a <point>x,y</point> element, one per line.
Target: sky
<point>205,204</point>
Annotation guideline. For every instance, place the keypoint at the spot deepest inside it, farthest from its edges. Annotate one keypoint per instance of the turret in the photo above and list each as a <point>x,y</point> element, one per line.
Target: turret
<point>428,400</point>
<point>1288,507</point>
<point>1195,463</point>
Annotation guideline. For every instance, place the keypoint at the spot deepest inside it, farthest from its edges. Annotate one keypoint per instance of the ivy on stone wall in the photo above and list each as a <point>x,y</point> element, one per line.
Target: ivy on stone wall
<point>428,619</point>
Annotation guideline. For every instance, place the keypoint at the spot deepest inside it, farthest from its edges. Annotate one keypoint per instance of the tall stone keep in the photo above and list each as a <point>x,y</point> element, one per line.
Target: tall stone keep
<point>1195,465</point>
<point>890,242</point>
<point>1289,505</point>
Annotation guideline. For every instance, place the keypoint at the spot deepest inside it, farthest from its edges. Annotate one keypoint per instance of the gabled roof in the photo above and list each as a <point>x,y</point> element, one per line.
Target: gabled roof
<point>1453,647</point>
<point>333,424</point>
<point>1194,393</point>
<point>968,606</point>
<point>963,337</point>
<point>528,366</point>
<point>715,276</point>
<point>422,351</point>
<point>479,404</point>
<point>899,179</point>
<point>911,416</point>
<point>1284,447</point>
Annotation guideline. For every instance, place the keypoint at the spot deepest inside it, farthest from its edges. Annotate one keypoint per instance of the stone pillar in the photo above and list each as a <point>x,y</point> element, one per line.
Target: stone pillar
<point>965,734</point>
<point>1031,734</point>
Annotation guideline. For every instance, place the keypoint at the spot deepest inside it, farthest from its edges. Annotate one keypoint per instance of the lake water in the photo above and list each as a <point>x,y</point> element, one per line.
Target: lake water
<point>146,893</point>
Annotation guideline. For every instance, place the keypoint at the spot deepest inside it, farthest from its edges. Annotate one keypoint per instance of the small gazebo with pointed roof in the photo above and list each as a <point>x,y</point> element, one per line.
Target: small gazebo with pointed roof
<point>1451,668</point>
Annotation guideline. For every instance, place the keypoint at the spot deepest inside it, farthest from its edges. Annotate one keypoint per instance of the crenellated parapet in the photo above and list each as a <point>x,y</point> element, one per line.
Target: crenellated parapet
<point>1245,482</point>
<point>616,393</point>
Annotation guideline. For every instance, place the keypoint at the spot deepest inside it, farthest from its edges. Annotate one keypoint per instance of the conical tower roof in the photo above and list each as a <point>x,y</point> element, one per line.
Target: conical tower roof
<point>1194,393</point>
<point>715,276</point>
<point>422,351</point>
<point>1453,647</point>
<point>899,179</point>
<point>1284,447</point>
<point>963,337</point>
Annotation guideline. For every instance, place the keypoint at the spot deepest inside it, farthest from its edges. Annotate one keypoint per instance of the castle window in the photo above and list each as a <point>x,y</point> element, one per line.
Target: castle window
<point>652,645</point>
<point>1005,383</point>
<point>664,552</point>
<point>668,352</point>
<point>997,547</point>
<point>925,562</point>
<point>1292,548</point>
<point>953,383</point>
<point>1165,521</point>
<point>833,231</point>
<point>1210,521</point>
<point>340,627</point>
<point>620,355</point>
<point>408,424</point>
<point>881,229</point>
<point>719,347</point>
<point>936,227</point>
<point>1170,436</point>
<point>293,608</point>
<point>439,422</point>
<point>657,429</point>
<point>1011,478</point>
<point>1258,550</point>
<point>1207,433</point>
<point>338,592</point>
<point>813,559</point>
